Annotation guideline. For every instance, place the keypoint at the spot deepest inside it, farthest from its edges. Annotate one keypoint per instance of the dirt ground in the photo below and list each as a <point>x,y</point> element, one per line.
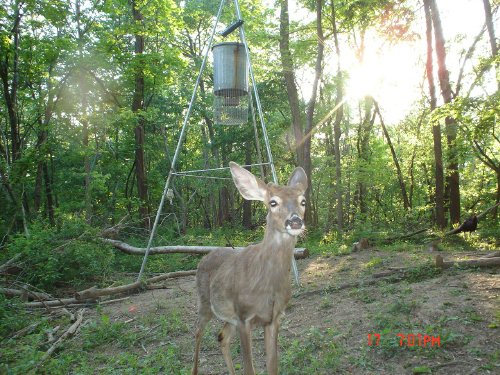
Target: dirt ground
<point>326,330</point>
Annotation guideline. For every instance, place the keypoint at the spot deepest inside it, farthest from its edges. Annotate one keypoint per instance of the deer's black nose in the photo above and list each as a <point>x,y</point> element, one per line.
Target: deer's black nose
<point>295,222</point>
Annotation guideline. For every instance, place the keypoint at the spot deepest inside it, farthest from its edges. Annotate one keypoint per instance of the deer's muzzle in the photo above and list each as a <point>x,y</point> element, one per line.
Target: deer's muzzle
<point>295,222</point>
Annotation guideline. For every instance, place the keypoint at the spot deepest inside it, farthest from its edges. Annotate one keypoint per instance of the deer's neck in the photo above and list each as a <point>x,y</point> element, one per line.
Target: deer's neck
<point>278,243</point>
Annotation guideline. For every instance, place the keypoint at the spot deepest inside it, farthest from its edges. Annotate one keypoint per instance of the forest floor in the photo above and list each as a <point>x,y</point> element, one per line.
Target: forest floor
<point>325,330</point>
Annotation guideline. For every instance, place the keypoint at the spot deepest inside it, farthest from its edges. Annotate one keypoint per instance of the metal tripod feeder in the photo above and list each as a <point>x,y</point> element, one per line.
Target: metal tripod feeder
<point>231,97</point>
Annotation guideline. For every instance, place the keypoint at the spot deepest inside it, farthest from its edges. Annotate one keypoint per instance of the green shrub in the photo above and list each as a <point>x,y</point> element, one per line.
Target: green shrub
<point>71,255</point>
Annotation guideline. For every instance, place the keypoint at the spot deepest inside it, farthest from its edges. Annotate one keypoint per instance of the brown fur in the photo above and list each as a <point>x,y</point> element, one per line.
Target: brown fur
<point>252,287</point>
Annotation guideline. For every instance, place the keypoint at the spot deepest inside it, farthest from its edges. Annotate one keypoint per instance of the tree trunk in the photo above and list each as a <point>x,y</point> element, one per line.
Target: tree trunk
<point>491,33</point>
<point>436,128</point>
<point>48,194</point>
<point>311,105</point>
<point>364,132</point>
<point>137,107</point>
<point>453,177</point>
<point>85,123</point>
<point>339,115</point>
<point>10,94</point>
<point>86,160</point>
<point>402,185</point>
<point>289,76</point>
<point>38,188</point>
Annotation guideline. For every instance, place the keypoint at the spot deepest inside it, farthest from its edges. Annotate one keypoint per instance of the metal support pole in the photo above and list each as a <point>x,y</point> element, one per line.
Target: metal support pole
<point>256,135</point>
<point>179,144</point>
<point>256,93</point>
<point>261,116</point>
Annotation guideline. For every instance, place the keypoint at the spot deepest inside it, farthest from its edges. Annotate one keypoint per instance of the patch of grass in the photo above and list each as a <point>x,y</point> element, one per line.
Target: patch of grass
<point>326,302</point>
<point>315,353</point>
<point>403,307</point>
<point>423,272</point>
<point>363,295</point>
<point>472,316</point>
<point>493,362</point>
<point>105,332</point>
<point>496,321</point>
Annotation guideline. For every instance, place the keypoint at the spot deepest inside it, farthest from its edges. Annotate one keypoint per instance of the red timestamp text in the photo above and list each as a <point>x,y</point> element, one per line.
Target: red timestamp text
<point>409,340</point>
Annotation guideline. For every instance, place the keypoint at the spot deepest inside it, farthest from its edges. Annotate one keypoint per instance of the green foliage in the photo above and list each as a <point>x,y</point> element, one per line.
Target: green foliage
<point>53,257</point>
<point>13,316</point>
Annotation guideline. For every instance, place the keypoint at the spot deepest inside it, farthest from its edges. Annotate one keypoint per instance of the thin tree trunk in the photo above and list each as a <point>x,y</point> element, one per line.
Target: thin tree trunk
<point>289,76</point>
<point>364,132</point>
<point>453,177</point>
<point>215,153</point>
<point>339,115</point>
<point>491,33</point>
<point>38,188</point>
<point>48,194</point>
<point>10,93</point>
<point>137,107</point>
<point>311,105</point>
<point>85,124</point>
<point>436,128</point>
<point>402,185</point>
<point>86,160</point>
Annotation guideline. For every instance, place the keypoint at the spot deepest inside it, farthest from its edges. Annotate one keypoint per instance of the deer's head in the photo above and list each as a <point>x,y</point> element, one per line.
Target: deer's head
<point>285,204</point>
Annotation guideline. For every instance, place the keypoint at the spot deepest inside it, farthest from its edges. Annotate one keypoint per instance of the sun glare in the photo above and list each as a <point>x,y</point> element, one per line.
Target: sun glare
<point>363,80</point>
<point>393,73</point>
<point>388,73</point>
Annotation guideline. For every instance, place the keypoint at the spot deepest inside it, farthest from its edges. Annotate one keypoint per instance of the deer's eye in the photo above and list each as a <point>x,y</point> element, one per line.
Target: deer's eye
<point>273,203</point>
<point>303,203</point>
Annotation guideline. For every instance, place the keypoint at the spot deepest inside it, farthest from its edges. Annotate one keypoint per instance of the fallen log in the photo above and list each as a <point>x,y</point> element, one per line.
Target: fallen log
<point>299,253</point>
<point>92,294</point>
<point>4,268</point>
<point>57,302</point>
<point>480,262</point>
<point>25,294</point>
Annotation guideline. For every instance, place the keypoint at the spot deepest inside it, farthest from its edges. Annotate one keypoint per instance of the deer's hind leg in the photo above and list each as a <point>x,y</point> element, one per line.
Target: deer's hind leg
<point>225,336</point>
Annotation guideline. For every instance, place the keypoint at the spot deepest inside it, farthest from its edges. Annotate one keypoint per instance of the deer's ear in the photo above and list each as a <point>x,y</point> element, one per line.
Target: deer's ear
<point>298,178</point>
<point>249,186</point>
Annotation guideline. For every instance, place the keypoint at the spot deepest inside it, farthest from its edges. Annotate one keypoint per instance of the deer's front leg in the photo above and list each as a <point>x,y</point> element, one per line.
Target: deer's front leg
<point>271,344</point>
<point>244,329</point>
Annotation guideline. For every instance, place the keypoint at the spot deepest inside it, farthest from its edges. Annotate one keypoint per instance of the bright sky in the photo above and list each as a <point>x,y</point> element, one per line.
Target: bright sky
<point>393,74</point>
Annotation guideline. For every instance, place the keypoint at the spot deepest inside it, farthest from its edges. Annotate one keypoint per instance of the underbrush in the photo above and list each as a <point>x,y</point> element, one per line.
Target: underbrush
<point>69,256</point>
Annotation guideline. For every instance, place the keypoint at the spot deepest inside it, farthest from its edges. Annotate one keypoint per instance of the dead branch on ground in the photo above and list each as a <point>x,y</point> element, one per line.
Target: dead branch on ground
<point>92,295</point>
<point>5,266</point>
<point>24,294</point>
<point>69,332</point>
<point>480,262</point>
<point>299,253</point>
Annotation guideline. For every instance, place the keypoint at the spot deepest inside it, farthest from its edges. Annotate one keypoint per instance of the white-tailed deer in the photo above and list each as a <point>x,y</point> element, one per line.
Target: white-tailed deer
<point>252,287</point>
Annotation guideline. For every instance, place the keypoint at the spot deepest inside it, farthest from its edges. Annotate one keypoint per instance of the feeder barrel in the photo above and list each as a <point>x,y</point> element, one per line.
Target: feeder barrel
<point>230,69</point>
<point>231,97</point>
